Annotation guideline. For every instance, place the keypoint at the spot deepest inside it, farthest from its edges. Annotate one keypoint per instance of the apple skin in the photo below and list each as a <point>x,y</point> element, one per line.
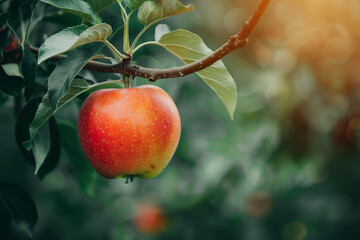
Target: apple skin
<point>12,45</point>
<point>131,131</point>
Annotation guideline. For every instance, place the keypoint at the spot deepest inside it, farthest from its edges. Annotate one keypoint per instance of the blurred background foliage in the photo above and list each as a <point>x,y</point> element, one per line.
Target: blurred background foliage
<point>287,167</point>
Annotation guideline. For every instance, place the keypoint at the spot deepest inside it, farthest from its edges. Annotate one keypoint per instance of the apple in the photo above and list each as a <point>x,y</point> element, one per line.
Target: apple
<point>12,45</point>
<point>150,219</point>
<point>129,132</point>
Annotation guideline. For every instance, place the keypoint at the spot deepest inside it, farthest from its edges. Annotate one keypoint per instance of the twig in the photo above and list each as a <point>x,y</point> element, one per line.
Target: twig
<point>236,41</point>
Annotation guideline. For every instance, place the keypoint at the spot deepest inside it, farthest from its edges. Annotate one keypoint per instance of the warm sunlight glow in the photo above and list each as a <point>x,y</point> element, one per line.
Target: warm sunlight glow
<point>324,34</point>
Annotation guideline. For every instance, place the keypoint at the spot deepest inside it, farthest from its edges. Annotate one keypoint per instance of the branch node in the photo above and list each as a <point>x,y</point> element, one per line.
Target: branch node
<point>126,67</point>
<point>128,59</point>
<point>152,79</point>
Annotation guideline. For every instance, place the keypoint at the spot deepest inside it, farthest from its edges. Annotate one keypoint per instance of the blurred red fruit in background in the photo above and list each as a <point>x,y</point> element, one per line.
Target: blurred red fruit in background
<point>150,219</point>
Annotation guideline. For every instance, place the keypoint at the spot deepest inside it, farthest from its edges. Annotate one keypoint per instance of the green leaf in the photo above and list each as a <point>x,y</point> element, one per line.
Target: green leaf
<point>99,5</point>
<point>10,82</point>
<point>153,11</point>
<point>133,4</point>
<point>40,148</point>
<point>22,133</point>
<point>53,155</point>
<point>12,69</point>
<point>28,70</point>
<point>84,174</point>
<point>44,111</point>
<point>66,70</point>
<point>46,149</point>
<point>60,42</point>
<point>43,150</point>
<point>189,48</point>
<point>78,8</point>
<point>63,19</point>
<point>71,38</point>
<point>20,206</point>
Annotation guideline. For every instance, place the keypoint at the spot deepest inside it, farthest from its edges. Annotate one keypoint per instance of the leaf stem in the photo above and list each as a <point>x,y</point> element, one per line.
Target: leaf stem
<point>111,59</point>
<point>14,33</point>
<point>128,69</point>
<point>137,39</point>
<point>142,45</point>
<point>234,42</point>
<point>126,36</point>
<point>123,10</point>
<point>26,36</point>
<point>116,53</point>
<point>125,18</point>
<point>100,84</point>
<point>109,38</point>
<point>36,21</point>
<point>141,33</point>
<point>22,24</point>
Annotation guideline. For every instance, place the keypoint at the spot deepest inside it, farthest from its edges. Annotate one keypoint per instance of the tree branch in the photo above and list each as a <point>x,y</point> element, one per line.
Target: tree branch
<point>237,41</point>
<point>234,42</point>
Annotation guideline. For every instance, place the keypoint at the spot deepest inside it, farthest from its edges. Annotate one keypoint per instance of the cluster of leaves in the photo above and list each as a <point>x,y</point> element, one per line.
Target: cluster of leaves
<point>47,88</point>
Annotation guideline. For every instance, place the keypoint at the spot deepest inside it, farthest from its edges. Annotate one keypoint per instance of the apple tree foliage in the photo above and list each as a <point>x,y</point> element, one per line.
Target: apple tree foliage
<point>42,86</point>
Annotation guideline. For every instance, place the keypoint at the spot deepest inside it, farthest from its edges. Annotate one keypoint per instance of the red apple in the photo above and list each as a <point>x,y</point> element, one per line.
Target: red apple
<point>12,45</point>
<point>150,219</point>
<point>128,132</point>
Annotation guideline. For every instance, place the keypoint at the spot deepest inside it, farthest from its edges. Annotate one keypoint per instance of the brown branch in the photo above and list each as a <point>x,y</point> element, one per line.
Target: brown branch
<point>153,74</point>
<point>236,41</point>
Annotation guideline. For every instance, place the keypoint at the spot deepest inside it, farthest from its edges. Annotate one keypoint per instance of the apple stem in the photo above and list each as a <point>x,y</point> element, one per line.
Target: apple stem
<point>131,177</point>
<point>127,81</point>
